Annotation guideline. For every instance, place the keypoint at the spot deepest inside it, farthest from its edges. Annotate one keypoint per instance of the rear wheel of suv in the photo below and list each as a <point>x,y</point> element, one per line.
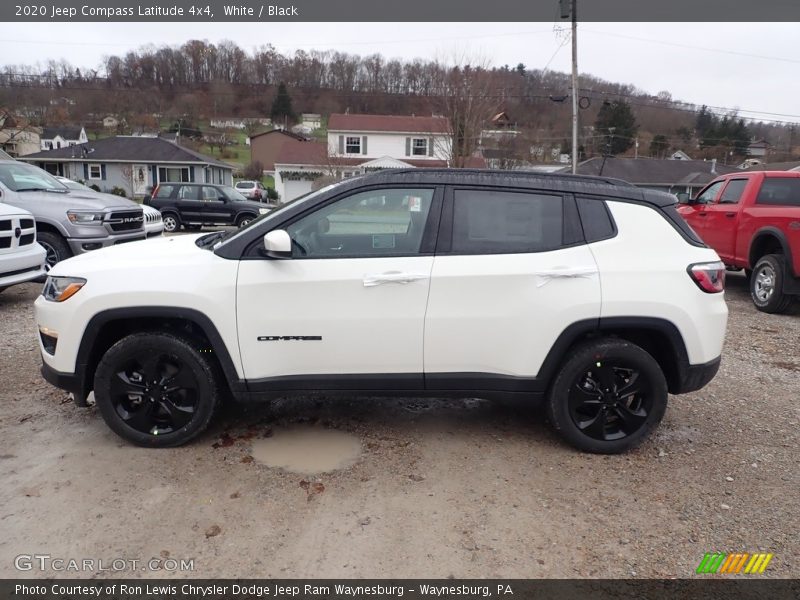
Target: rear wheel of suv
<point>156,389</point>
<point>171,222</point>
<point>607,396</point>
<point>244,220</point>
<point>766,285</point>
<point>56,247</point>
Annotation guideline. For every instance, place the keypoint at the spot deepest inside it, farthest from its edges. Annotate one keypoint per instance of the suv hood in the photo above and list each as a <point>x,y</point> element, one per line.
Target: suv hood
<point>177,252</point>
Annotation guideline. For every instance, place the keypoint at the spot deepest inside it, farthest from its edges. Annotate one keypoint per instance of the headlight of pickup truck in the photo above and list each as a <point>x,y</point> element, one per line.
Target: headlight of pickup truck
<point>58,289</point>
<point>79,217</point>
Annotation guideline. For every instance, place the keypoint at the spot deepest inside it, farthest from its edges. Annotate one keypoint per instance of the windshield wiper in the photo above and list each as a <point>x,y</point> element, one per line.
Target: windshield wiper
<point>206,241</point>
<point>41,189</point>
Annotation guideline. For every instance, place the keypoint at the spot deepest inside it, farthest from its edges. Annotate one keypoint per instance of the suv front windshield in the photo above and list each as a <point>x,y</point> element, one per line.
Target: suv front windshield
<point>19,177</point>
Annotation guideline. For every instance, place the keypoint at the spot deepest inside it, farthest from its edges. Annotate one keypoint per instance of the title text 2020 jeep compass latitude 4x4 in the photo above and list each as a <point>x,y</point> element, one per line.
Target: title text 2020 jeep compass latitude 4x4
<point>589,293</point>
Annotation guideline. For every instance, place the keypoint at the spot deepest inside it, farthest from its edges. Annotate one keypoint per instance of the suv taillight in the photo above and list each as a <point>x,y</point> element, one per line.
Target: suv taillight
<point>709,277</point>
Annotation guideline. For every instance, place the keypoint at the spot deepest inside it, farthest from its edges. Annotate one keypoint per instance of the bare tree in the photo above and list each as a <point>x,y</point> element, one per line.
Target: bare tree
<point>468,100</point>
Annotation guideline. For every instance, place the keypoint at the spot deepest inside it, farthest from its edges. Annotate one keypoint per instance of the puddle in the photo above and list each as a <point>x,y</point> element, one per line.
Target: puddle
<point>308,451</point>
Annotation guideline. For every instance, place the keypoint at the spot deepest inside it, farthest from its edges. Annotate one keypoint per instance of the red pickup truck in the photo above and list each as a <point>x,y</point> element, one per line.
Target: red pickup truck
<point>752,220</point>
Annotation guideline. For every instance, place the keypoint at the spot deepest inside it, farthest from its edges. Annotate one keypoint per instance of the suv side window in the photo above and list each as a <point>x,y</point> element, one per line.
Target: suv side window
<point>210,193</point>
<point>595,219</point>
<point>165,191</point>
<point>189,192</point>
<point>710,193</point>
<point>383,222</point>
<point>501,222</point>
<point>733,191</point>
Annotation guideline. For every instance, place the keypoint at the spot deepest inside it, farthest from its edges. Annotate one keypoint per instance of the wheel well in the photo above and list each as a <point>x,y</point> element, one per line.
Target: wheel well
<point>764,244</point>
<point>653,341</point>
<point>113,331</point>
<point>40,227</point>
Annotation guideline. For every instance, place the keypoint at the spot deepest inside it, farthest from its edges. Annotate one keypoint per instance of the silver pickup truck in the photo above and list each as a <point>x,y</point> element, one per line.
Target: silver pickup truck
<point>69,222</point>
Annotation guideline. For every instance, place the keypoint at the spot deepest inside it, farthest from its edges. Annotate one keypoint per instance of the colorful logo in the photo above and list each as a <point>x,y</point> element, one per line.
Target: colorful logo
<point>738,562</point>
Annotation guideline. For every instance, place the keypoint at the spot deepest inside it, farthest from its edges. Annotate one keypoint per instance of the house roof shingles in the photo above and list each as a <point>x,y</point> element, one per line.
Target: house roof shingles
<point>128,149</point>
<point>651,171</point>
<point>388,123</point>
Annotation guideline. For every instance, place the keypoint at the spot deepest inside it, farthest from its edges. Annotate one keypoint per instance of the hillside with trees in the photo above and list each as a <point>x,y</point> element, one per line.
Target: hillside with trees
<point>197,81</point>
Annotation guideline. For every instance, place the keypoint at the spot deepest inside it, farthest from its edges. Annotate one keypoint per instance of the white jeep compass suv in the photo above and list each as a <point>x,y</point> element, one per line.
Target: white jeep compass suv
<point>588,293</point>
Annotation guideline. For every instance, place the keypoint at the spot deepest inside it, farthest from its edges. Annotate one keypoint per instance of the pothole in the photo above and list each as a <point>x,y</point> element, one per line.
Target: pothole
<point>308,450</point>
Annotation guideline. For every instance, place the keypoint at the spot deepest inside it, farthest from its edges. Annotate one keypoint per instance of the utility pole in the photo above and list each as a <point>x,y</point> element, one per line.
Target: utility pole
<point>574,86</point>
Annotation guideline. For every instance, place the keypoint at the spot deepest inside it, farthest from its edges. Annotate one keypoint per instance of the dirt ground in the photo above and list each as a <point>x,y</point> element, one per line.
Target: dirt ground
<point>462,488</point>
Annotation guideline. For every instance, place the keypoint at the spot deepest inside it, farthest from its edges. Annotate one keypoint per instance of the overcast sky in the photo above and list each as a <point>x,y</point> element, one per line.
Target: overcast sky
<point>749,66</point>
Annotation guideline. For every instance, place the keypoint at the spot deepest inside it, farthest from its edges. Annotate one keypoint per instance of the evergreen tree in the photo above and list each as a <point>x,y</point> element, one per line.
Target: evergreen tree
<point>616,124</point>
<point>659,146</point>
<point>281,112</point>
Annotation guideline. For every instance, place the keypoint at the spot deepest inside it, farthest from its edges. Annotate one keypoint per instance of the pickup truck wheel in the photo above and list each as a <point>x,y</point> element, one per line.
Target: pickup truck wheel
<point>156,389</point>
<point>766,285</point>
<point>171,222</point>
<point>56,247</point>
<point>244,220</point>
<point>607,397</point>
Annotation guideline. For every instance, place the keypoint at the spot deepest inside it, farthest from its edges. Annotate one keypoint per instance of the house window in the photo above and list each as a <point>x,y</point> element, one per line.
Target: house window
<point>173,174</point>
<point>419,147</point>
<point>352,145</point>
<point>95,172</point>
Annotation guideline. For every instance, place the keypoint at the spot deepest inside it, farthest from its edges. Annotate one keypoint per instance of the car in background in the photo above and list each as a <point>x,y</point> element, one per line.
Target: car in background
<point>252,190</point>
<point>153,223</point>
<point>192,205</point>
<point>68,221</point>
<point>21,258</point>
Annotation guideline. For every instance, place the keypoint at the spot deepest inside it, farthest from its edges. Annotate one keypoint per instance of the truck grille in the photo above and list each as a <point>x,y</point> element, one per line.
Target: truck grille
<point>15,232</point>
<point>129,220</point>
<point>153,218</point>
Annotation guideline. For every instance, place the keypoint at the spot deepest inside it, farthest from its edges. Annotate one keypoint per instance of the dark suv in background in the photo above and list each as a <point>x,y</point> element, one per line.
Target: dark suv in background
<point>193,205</point>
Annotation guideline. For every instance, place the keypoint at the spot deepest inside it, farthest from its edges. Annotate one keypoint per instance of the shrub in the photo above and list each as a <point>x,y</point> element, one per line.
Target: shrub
<point>118,191</point>
<point>272,194</point>
<point>95,187</point>
<point>255,171</point>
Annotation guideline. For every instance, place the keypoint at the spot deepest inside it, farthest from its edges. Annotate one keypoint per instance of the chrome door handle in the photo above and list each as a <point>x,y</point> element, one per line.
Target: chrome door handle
<point>374,279</point>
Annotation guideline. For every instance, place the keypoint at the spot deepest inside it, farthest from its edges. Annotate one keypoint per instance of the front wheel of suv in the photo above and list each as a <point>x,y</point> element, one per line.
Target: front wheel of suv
<point>156,389</point>
<point>171,222</point>
<point>244,220</point>
<point>607,397</point>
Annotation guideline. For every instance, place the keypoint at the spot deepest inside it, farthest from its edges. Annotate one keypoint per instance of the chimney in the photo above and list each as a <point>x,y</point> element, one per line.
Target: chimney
<point>714,166</point>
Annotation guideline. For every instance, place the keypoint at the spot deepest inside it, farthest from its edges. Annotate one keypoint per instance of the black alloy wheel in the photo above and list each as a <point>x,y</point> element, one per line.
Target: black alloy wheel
<point>607,396</point>
<point>156,389</point>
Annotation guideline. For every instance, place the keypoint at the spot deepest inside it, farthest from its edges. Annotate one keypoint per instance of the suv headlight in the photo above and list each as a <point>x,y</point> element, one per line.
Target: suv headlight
<point>79,217</point>
<point>58,289</point>
<point>263,211</point>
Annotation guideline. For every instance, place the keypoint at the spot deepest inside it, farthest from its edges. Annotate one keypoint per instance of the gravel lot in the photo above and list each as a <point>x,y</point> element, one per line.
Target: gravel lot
<point>453,487</point>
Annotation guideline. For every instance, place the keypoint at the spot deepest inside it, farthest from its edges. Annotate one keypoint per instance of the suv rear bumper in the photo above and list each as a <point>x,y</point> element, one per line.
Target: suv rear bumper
<point>695,377</point>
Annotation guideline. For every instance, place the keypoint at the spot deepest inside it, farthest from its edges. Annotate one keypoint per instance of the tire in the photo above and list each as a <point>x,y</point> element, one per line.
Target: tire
<point>178,403</point>
<point>56,247</point>
<point>243,220</point>
<point>601,422</point>
<point>172,222</point>
<point>766,284</point>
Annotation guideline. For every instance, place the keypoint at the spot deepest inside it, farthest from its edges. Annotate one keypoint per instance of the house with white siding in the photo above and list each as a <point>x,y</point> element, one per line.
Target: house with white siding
<point>359,144</point>
<point>53,138</point>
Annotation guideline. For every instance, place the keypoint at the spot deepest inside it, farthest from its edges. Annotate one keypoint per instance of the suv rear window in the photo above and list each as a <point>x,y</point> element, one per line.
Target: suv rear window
<point>780,191</point>
<point>495,222</point>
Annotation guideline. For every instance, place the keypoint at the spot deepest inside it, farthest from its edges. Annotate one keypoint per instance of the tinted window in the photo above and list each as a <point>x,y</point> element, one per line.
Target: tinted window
<point>733,191</point>
<point>495,222</point>
<point>781,191</point>
<point>382,222</point>
<point>189,192</point>
<point>165,191</point>
<point>596,221</point>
